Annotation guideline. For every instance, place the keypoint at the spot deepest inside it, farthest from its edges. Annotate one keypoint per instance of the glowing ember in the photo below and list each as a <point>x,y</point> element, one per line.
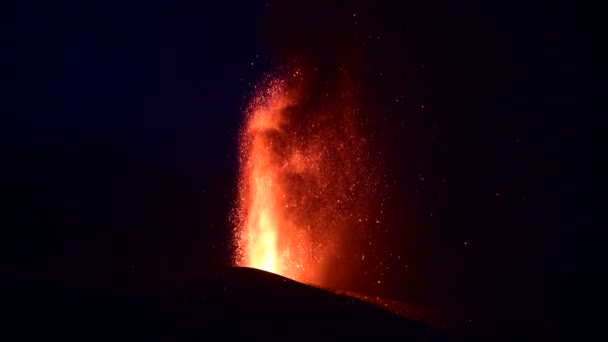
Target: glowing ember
<point>300,181</point>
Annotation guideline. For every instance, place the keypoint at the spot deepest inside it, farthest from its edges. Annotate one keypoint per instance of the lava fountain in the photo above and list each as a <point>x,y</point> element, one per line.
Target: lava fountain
<point>303,180</point>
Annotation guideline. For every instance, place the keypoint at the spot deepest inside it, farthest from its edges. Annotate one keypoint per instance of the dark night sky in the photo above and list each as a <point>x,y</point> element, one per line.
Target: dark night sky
<point>119,136</point>
<point>158,80</point>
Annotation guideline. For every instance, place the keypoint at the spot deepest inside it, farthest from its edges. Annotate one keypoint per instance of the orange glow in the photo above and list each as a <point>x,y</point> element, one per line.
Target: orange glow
<point>299,181</point>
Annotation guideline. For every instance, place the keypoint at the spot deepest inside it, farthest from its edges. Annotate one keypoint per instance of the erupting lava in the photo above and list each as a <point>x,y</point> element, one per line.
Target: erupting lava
<point>301,180</point>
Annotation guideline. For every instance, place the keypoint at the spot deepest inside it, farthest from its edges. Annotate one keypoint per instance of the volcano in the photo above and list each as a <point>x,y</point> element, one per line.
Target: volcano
<point>229,303</point>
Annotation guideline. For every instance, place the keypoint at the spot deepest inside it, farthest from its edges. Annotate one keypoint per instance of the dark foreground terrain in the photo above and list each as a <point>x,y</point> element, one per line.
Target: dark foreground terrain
<point>230,303</point>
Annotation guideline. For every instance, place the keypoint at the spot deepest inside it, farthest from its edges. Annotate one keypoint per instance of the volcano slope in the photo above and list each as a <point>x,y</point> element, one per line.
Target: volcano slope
<point>229,303</point>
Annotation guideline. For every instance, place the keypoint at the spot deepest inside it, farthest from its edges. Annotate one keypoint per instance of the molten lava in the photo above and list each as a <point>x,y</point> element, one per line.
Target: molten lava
<point>301,181</point>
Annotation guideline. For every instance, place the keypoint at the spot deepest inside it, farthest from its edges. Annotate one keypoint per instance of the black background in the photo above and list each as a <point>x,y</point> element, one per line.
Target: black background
<point>120,125</point>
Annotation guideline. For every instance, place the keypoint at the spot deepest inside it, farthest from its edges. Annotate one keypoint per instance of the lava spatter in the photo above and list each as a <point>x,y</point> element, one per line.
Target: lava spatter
<point>303,179</point>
